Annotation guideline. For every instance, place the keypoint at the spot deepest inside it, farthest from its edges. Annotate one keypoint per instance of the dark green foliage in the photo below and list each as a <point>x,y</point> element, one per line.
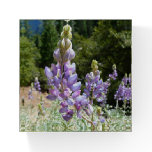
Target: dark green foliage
<point>43,80</point>
<point>83,49</point>
<point>82,27</point>
<point>24,25</point>
<point>28,57</point>
<point>59,26</point>
<point>113,46</point>
<point>49,39</point>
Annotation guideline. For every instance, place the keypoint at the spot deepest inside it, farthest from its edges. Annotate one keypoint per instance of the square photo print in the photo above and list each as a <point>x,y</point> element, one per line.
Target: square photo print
<point>75,76</point>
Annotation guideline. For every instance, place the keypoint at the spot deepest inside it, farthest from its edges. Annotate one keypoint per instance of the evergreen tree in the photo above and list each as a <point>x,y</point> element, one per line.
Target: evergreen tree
<point>28,55</point>
<point>90,26</point>
<point>49,39</point>
<point>59,25</point>
<point>25,24</point>
<point>81,27</point>
<point>113,39</point>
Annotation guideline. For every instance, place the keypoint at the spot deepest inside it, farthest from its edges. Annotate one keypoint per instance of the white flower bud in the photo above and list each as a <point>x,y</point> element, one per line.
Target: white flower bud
<point>63,43</point>
<point>68,44</point>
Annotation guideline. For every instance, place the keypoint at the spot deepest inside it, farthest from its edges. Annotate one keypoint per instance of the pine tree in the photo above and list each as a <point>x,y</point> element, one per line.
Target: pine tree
<point>49,39</point>
<point>28,55</point>
<point>24,24</point>
<point>59,25</point>
<point>81,27</point>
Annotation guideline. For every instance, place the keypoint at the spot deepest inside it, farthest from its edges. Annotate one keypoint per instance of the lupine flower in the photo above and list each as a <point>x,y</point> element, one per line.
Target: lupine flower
<point>125,79</point>
<point>62,78</point>
<point>82,104</point>
<point>114,74</point>
<point>95,87</point>
<point>76,86</point>
<point>37,84</point>
<point>68,115</point>
<point>30,96</point>
<point>124,90</point>
<point>120,92</point>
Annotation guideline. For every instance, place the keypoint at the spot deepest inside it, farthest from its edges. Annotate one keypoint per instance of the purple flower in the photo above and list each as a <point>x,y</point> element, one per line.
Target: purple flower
<point>95,87</point>
<point>124,90</point>
<point>51,97</point>
<point>57,81</point>
<point>102,120</point>
<point>69,67</point>
<point>127,94</point>
<point>68,115</point>
<point>125,79</point>
<point>72,79</point>
<point>54,69</point>
<point>57,55</point>
<point>95,123</point>
<point>54,92</point>
<point>113,75</point>
<point>37,84</point>
<point>76,86</point>
<point>70,101</point>
<point>69,55</point>
<point>76,93</point>
<point>48,73</point>
<point>30,96</point>
<point>67,92</point>
<point>64,107</point>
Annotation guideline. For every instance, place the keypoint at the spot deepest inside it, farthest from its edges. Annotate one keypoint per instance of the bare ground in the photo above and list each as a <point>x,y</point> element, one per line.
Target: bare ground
<point>36,98</point>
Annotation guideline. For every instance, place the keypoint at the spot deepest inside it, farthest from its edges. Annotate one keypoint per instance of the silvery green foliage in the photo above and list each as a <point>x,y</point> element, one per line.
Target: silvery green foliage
<point>52,121</point>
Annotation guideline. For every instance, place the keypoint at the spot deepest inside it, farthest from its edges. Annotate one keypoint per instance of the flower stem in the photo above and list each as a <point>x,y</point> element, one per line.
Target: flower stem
<point>89,121</point>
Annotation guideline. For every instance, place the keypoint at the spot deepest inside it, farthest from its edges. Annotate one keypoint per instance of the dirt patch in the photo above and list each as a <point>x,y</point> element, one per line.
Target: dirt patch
<point>36,98</point>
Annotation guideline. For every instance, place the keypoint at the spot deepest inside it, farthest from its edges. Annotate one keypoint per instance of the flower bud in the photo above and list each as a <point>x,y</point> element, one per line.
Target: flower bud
<point>66,32</point>
<point>125,75</point>
<point>36,79</point>
<point>67,28</point>
<point>61,44</point>
<point>94,65</point>
<point>114,67</point>
<point>68,44</point>
<point>99,111</point>
<point>32,85</point>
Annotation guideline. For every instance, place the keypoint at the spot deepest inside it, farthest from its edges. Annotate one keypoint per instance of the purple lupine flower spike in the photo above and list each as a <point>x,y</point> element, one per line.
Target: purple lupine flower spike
<point>124,90</point>
<point>30,96</point>
<point>62,78</point>
<point>37,84</point>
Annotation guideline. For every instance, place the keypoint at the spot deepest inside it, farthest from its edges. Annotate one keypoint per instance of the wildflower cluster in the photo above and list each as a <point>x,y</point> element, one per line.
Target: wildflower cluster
<point>37,85</point>
<point>95,87</point>
<point>62,79</point>
<point>64,87</point>
<point>124,90</point>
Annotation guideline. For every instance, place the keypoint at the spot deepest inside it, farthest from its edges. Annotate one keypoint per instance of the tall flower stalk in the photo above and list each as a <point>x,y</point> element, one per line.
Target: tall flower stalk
<point>124,91</point>
<point>62,77</point>
<point>63,84</point>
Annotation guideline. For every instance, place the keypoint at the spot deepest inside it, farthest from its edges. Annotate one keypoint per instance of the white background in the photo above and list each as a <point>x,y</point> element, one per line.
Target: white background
<point>139,139</point>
